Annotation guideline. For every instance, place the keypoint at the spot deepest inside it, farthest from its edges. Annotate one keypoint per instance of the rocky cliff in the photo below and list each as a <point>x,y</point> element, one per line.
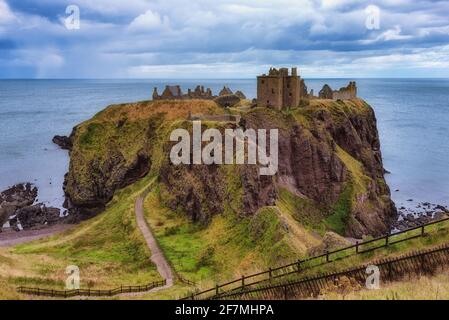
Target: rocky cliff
<point>329,156</point>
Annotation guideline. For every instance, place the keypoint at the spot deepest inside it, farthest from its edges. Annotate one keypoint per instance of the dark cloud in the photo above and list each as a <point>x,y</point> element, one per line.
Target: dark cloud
<point>137,38</point>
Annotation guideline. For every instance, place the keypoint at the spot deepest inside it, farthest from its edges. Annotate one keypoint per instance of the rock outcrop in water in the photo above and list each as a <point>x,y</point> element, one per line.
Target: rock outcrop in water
<point>63,142</point>
<point>17,206</point>
<point>329,156</point>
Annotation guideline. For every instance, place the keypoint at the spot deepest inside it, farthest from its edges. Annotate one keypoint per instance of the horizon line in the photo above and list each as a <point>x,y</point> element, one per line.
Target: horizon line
<point>306,78</point>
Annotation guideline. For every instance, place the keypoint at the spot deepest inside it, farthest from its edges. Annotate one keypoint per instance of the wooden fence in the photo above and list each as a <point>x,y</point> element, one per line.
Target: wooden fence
<point>315,261</point>
<point>186,281</point>
<point>393,269</point>
<point>90,292</point>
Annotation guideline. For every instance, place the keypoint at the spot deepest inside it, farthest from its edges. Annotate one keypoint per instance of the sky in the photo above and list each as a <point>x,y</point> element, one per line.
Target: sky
<point>175,39</point>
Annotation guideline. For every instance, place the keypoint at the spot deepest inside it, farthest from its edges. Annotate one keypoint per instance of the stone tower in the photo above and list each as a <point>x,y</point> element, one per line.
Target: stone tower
<point>279,89</point>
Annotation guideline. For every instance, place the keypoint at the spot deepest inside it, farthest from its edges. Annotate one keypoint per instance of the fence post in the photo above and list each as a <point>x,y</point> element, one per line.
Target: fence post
<point>243,281</point>
<point>216,289</point>
<point>327,256</point>
<point>422,230</point>
<point>270,273</point>
<point>299,265</point>
<point>386,240</point>
<point>357,247</point>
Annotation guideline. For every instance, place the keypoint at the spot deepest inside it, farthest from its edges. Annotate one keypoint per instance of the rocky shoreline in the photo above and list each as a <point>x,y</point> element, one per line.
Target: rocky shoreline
<point>20,208</point>
<point>424,212</point>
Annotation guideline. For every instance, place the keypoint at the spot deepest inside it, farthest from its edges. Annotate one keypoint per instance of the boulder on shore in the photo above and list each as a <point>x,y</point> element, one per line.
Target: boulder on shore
<point>14,198</point>
<point>17,206</point>
<point>34,216</point>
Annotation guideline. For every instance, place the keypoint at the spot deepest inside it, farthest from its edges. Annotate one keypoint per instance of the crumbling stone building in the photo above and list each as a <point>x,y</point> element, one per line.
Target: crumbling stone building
<point>345,93</point>
<point>279,89</point>
<point>175,93</point>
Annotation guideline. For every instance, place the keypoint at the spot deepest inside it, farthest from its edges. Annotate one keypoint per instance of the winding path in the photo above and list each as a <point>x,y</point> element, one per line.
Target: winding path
<point>157,256</point>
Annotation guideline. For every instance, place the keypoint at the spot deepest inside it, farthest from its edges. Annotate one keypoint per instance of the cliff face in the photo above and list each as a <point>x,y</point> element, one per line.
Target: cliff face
<point>115,149</point>
<point>329,156</point>
<point>329,152</point>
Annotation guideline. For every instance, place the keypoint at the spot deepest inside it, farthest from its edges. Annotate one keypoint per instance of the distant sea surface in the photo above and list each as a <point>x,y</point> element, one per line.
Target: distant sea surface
<point>412,115</point>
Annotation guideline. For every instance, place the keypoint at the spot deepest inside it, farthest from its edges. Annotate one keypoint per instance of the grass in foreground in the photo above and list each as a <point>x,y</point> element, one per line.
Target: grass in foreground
<point>109,250</point>
<point>430,288</point>
<point>229,247</point>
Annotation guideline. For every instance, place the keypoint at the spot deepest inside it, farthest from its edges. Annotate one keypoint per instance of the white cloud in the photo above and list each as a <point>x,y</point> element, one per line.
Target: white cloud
<point>149,21</point>
<point>6,15</point>
<point>225,38</point>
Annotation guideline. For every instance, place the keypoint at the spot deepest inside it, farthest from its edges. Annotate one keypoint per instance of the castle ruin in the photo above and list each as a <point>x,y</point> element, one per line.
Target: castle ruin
<point>175,93</point>
<point>279,89</point>
<point>345,93</point>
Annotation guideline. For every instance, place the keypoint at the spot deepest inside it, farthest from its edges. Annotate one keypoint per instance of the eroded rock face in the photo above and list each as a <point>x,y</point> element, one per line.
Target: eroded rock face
<point>202,191</point>
<point>310,163</point>
<point>87,198</point>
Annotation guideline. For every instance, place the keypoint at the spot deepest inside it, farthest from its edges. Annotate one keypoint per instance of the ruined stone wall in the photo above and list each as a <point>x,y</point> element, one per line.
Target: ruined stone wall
<point>269,91</point>
<point>278,89</point>
<point>175,93</point>
<point>346,93</point>
<point>291,91</point>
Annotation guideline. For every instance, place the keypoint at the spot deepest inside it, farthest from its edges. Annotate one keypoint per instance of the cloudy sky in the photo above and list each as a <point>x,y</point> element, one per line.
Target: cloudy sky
<point>223,38</point>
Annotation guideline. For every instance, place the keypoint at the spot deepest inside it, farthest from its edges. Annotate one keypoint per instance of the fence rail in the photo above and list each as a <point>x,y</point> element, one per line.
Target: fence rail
<point>186,281</point>
<point>90,292</point>
<point>417,263</point>
<point>313,262</point>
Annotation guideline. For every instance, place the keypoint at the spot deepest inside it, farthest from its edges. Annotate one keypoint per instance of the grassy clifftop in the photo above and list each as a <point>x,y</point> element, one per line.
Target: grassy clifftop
<point>330,178</point>
<point>329,158</point>
<point>212,222</point>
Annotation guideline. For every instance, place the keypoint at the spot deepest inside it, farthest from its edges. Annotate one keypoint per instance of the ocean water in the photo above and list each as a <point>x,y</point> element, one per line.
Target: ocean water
<point>412,115</point>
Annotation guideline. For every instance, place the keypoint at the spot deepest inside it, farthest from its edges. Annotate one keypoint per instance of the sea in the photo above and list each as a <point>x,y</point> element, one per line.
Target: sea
<point>412,118</point>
